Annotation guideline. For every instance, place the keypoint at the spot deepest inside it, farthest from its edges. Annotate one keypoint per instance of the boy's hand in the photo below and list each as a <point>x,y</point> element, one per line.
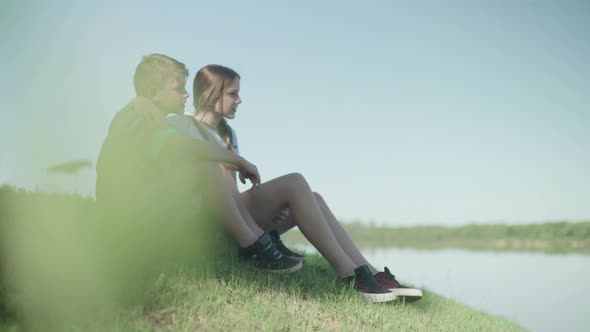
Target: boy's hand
<point>248,171</point>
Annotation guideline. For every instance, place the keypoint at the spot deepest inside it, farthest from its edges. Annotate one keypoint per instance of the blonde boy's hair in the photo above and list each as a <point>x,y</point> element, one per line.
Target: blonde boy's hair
<point>154,71</point>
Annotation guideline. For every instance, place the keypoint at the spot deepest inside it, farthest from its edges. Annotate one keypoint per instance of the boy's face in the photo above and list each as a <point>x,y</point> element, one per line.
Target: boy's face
<point>171,98</point>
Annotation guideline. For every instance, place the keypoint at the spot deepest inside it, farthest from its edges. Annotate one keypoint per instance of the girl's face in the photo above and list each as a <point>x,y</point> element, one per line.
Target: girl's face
<point>227,105</point>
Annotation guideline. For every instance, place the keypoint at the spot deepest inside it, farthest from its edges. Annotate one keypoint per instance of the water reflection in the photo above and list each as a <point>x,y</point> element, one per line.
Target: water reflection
<point>540,292</point>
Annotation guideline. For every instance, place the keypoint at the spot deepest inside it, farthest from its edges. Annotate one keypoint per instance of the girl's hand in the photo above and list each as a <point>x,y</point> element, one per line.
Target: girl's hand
<point>248,171</point>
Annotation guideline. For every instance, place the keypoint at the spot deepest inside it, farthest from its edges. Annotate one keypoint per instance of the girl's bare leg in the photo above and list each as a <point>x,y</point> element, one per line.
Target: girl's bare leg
<point>265,202</point>
<point>341,235</point>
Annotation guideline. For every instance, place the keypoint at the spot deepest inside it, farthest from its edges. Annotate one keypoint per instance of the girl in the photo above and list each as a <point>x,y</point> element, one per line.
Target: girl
<point>276,206</point>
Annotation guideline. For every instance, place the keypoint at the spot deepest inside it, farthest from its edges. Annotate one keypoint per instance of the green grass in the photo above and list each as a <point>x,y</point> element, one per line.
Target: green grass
<point>232,296</point>
<point>59,283</point>
<point>235,297</point>
<point>554,237</point>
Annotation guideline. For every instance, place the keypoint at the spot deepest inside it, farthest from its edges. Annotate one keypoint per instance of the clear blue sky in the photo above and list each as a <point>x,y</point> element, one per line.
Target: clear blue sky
<point>398,112</point>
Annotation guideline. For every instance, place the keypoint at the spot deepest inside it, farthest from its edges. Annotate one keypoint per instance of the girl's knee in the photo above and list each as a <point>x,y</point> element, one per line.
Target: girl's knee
<point>296,179</point>
<point>318,197</point>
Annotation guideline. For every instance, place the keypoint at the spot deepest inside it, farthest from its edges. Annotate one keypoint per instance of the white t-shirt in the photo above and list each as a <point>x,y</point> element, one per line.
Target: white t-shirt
<point>186,124</point>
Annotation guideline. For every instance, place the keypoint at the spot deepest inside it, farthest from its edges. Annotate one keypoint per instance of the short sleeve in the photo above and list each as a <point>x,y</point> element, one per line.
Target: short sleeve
<point>184,124</point>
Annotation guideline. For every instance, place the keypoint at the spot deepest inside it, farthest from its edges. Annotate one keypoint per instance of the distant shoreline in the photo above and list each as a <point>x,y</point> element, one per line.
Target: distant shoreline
<point>551,237</point>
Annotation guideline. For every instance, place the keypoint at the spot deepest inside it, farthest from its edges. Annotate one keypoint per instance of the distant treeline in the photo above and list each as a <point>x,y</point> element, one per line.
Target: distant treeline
<point>548,237</point>
<point>544,231</point>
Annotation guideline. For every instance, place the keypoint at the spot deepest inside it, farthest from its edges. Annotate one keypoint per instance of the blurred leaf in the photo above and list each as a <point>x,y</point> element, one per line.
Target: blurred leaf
<point>70,167</point>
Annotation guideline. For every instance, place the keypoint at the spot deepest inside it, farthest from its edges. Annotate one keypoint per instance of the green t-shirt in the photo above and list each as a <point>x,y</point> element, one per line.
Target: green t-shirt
<point>143,164</point>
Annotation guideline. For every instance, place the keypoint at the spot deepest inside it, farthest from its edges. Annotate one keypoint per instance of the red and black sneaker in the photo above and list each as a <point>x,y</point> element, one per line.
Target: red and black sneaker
<point>368,287</point>
<point>387,280</point>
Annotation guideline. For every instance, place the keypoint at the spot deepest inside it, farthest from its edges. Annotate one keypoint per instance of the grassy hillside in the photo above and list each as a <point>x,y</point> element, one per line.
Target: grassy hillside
<point>234,297</point>
<point>230,296</point>
<point>68,273</point>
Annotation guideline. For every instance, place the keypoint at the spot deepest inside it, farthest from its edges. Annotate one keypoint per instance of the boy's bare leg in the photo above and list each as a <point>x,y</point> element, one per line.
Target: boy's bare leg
<point>222,204</point>
<point>265,202</point>
<point>237,196</point>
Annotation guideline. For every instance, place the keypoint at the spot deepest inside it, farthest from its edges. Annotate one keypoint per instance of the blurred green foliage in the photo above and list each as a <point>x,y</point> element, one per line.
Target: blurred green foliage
<point>66,262</point>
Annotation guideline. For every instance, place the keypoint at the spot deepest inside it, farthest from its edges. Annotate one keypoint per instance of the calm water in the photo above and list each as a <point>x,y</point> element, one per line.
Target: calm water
<point>540,292</point>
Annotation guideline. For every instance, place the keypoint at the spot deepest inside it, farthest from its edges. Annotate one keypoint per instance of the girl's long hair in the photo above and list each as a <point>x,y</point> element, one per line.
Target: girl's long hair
<point>208,87</point>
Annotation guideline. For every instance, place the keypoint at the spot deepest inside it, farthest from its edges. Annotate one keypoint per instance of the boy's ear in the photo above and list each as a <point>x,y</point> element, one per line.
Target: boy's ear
<point>154,93</point>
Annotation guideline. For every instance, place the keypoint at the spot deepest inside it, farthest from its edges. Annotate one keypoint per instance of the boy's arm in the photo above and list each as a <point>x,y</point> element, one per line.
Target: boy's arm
<point>198,150</point>
<point>202,150</point>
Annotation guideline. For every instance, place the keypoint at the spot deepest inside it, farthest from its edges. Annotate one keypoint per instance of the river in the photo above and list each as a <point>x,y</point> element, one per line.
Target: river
<point>538,291</point>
